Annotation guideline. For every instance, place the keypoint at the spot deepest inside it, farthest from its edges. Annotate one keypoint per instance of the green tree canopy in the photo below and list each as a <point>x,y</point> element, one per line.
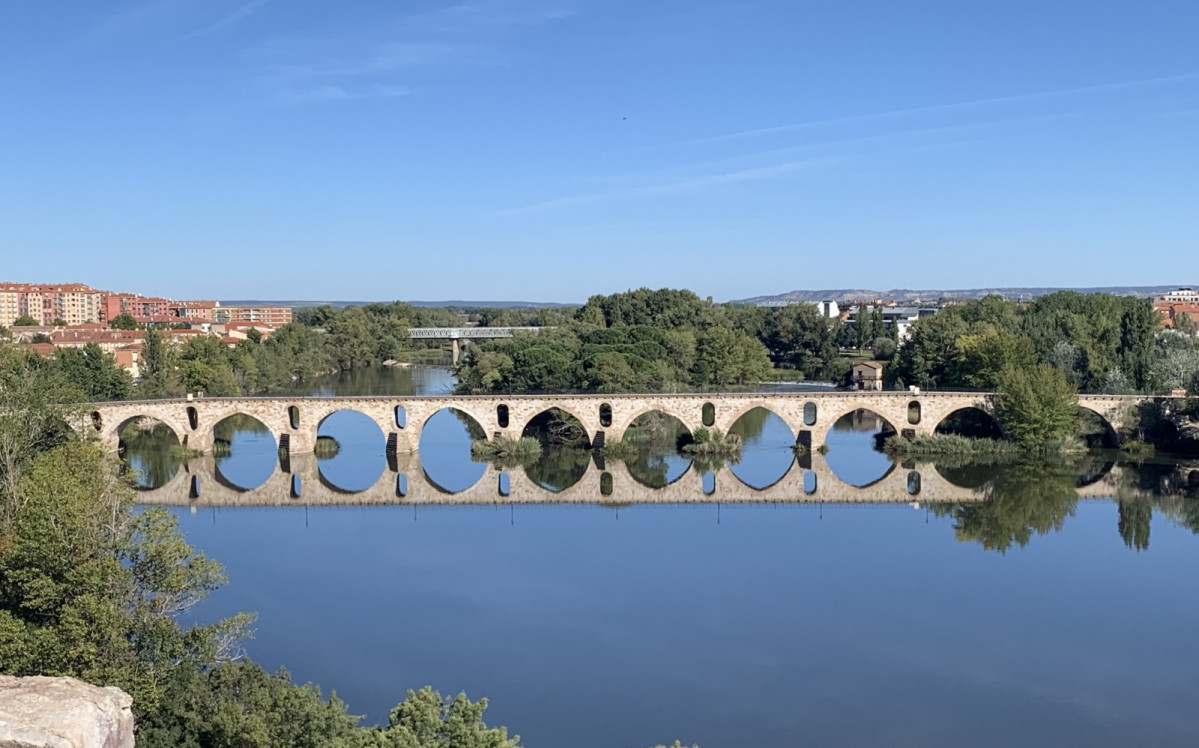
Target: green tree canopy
<point>1036,406</point>
<point>94,372</point>
<point>123,322</point>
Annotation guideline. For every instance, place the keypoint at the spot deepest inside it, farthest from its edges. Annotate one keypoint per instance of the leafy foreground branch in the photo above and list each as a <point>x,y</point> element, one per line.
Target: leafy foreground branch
<point>240,704</point>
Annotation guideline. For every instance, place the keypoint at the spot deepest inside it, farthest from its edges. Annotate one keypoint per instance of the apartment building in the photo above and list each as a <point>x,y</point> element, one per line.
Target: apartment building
<point>196,311</point>
<point>268,316</point>
<point>139,307</point>
<point>10,306</point>
<point>74,303</point>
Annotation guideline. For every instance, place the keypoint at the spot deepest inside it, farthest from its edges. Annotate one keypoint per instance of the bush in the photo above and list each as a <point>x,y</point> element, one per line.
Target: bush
<point>1037,406</point>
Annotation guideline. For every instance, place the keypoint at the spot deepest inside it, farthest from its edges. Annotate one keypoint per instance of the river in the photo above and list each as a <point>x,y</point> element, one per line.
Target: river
<point>1045,615</point>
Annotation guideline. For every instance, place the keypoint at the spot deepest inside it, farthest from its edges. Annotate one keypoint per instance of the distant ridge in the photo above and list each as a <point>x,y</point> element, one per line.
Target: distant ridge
<point>339,304</point>
<point>839,295</point>
<point>842,295</point>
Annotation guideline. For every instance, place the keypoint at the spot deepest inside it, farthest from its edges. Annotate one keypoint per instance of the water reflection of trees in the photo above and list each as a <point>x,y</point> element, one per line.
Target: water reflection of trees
<point>565,450</point>
<point>751,424</point>
<point>1023,500</point>
<point>238,422</point>
<point>152,450</point>
<point>1175,488</point>
<point>1135,516</point>
<point>1028,498</point>
<point>558,468</point>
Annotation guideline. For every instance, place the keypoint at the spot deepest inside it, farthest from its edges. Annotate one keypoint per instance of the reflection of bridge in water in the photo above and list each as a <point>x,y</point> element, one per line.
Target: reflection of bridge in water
<point>405,483</point>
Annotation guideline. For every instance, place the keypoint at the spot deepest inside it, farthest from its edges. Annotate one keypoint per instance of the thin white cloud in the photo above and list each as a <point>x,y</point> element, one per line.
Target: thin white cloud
<point>469,34</point>
<point>342,93</point>
<point>238,15</point>
<point>663,189</point>
<point>1040,95</point>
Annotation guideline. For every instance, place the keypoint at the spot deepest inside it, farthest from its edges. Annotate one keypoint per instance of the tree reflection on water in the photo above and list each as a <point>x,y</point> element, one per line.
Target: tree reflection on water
<point>1024,499</point>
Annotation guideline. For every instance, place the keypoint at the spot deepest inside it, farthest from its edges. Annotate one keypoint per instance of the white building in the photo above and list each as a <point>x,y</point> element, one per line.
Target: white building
<point>1181,296</point>
<point>901,317</point>
<point>827,308</point>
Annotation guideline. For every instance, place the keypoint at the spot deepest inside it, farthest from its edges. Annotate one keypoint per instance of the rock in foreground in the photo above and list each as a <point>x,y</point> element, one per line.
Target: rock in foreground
<point>40,712</point>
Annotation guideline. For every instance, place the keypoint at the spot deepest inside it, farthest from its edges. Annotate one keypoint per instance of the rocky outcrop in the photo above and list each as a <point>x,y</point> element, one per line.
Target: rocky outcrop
<point>40,712</point>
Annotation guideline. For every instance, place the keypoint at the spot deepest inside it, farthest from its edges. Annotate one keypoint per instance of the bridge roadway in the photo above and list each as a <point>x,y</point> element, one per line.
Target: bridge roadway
<point>294,422</point>
<point>405,483</point>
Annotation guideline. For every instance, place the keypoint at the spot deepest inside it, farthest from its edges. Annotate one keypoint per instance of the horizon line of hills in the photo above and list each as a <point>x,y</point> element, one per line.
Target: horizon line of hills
<point>839,295</point>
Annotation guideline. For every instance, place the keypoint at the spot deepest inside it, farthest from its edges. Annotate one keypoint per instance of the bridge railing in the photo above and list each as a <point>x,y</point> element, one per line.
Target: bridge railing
<point>470,333</point>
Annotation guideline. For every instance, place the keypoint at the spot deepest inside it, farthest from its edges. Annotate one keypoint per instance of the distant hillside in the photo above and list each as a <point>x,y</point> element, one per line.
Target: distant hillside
<point>339,304</point>
<point>843,295</point>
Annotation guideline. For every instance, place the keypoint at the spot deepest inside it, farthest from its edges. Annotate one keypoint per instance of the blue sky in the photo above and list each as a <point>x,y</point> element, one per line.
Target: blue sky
<point>551,149</point>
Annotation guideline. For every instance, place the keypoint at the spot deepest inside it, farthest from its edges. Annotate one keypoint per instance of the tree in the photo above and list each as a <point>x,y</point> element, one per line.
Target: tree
<point>36,403</point>
<point>123,322</point>
<point>726,356</point>
<point>861,328</point>
<point>25,321</point>
<point>90,590</point>
<point>425,720</point>
<point>350,339</point>
<point>157,366</point>
<point>1185,325</point>
<point>94,372</point>
<point>878,327</point>
<point>984,352</point>
<point>609,372</point>
<point>205,365</point>
<point>1036,406</point>
<point>883,348</point>
<point>240,704</point>
<point>59,322</point>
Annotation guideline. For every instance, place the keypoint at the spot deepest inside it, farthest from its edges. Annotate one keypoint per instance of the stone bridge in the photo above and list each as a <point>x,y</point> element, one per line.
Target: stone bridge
<point>298,481</point>
<point>294,422</point>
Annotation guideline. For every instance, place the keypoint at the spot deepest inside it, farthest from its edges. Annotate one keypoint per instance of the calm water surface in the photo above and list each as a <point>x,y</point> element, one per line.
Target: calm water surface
<point>727,625</point>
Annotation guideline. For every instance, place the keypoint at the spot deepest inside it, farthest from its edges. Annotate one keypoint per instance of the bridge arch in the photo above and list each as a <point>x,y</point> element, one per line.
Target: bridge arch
<point>110,426</point>
<point>855,458</point>
<point>567,410</point>
<point>668,481</point>
<point>790,468</point>
<point>351,430</point>
<point>148,447</point>
<point>626,422</point>
<point>896,417</point>
<point>212,416</point>
<point>726,419</point>
<point>256,462</point>
<point>482,415</point>
<point>985,421</point>
<point>1112,435</point>
<point>768,453</point>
